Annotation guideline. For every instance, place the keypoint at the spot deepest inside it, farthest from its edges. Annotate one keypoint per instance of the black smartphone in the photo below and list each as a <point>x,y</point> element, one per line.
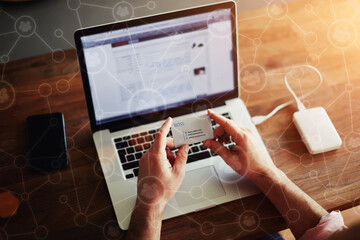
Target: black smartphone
<point>46,142</point>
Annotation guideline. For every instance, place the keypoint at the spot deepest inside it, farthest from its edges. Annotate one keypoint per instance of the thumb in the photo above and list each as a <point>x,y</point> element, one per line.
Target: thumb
<point>181,158</point>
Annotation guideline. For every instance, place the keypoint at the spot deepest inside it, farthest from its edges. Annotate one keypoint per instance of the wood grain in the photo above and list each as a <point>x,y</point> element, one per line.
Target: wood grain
<point>75,203</point>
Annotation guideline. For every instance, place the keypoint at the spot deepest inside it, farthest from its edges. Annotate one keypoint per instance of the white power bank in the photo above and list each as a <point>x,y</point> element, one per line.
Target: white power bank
<point>317,130</point>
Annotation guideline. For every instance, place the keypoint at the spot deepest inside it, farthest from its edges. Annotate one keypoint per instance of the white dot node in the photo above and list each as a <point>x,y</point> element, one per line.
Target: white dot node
<point>151,5</point>
<point>25,26</point>
<point>45,89</point>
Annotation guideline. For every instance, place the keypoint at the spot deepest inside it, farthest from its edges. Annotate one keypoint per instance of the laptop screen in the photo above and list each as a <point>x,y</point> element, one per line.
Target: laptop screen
<point>156,66</point>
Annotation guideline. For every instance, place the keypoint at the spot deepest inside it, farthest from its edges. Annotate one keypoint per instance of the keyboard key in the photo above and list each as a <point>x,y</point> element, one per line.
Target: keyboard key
<point>136,172</point>
<point>138,148</point>
<point>140,140</point>
<point>213,122</point>
<point>146,146</point>
<point>121,145</point>
<point>198,156</point>
<point>131,165</point>
<point>132,142</point>
<point>135,135</point>
<point>122,158</point>
<point>126,137</point>
<point>226,115</point>
<point>202,147</point>
<point>129,176</point>
<point>130,150</point>
<point>148,138</point>
<point>213,153</point>
<point>122,152</point>
<point>118,139</point>
<point>195,149</point>
<point>152,131</point>
<point>130,157</point>
<point>138,155</point>
<point>143,133</point>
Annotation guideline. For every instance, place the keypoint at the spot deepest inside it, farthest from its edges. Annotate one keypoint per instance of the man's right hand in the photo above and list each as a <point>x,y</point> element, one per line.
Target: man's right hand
<point>247,157</point>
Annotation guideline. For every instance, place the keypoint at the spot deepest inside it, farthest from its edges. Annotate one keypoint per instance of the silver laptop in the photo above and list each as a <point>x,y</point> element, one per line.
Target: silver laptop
<point>137,73</point>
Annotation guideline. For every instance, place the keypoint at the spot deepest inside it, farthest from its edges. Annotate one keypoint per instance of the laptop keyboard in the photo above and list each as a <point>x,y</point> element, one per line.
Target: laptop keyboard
<point>131,148</point>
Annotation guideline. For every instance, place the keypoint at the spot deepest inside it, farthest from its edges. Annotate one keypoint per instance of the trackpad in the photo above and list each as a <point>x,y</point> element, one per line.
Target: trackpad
<point>199,185</point>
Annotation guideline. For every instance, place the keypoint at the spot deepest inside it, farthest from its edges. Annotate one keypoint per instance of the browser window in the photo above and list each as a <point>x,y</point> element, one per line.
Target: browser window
<point>161,65</point>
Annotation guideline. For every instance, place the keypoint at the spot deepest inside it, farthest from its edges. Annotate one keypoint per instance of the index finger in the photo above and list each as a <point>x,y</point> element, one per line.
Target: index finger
<point>228,125</point>
<point>160,137</point>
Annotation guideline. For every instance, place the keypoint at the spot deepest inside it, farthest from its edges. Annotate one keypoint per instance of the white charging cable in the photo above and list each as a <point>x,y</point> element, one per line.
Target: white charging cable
<point>260,119</point>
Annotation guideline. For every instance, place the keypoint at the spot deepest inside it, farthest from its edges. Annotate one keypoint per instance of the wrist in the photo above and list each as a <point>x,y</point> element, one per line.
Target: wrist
<point>154,211</point>
<point>266,176</point>
<point>146,221</point>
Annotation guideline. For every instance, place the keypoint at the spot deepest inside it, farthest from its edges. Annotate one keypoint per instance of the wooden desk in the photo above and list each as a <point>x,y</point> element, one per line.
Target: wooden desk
<point>75,203</point>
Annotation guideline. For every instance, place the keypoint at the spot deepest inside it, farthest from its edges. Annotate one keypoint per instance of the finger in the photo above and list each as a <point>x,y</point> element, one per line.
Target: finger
<point>170,156</point>
<point>222,121</point>
<point>228,125</point>
<point>160,137</point>
<point>224,139</point>
<point>218,131</point>
<point>237,148</point>
<point>218,148</point>
<point>180,161</point>
<point>170,143</point>
<point>221,139</point>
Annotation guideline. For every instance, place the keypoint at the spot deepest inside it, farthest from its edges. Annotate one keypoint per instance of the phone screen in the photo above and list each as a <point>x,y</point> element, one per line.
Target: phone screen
<point>46,142</point>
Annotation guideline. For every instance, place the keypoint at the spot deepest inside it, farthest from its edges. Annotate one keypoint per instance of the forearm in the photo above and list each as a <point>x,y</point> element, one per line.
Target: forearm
<point>145,222</point>
<point>299,210</point>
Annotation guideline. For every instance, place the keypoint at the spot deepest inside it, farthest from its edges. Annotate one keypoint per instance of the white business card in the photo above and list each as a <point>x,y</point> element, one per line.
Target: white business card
<point>191,129</point>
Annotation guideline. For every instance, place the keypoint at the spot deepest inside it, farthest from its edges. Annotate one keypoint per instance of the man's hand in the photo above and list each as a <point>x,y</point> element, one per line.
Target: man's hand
<point>247,157</point>
<point>160,173</point>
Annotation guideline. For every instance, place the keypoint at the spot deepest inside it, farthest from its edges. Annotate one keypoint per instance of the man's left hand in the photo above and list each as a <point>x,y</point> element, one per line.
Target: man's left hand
<point>160,172</point>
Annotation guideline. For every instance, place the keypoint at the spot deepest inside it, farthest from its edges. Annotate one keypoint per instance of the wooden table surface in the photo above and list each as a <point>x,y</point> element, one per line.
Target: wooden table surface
<point>75,203</point>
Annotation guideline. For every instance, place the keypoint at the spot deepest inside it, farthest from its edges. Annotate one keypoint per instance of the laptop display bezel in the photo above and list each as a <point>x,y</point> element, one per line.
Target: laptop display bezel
<point>173,112</point>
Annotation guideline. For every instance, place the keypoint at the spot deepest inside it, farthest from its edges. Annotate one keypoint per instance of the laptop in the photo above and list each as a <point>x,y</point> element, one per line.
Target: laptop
<point>136,73</point>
